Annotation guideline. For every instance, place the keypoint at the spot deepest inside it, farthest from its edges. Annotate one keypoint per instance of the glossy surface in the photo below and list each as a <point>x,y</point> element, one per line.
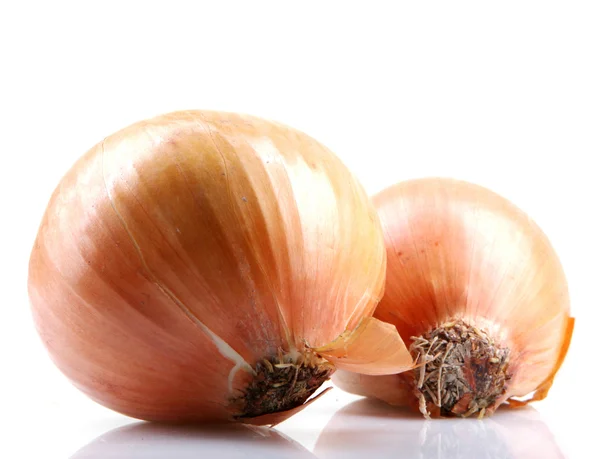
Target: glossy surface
<point>145,441</point>
<point>368,427</point>
<point>337,426</point>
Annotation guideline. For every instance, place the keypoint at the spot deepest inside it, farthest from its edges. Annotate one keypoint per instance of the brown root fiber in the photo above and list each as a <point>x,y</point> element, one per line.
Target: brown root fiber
<point>460,371</point>
<point>282,383</point>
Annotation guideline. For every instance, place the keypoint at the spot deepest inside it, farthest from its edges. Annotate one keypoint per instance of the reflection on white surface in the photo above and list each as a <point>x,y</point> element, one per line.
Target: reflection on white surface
<point>145,441</point>
<point>370,429</point>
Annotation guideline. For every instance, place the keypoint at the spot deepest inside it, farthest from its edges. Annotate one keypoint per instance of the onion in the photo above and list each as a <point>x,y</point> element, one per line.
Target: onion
<point>476,288</point>
<point>205,266</point>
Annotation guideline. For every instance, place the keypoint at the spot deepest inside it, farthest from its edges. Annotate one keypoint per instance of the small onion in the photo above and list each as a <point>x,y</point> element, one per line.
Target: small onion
<point>476,288</point>
<point>206,266</point>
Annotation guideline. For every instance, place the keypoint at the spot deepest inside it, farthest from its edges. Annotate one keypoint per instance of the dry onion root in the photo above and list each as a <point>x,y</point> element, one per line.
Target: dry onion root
<point>475,287</point>
<point>205,266</point>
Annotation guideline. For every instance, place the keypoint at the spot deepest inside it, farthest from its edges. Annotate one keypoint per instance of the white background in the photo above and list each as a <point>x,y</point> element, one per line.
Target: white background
<point>505,94</point>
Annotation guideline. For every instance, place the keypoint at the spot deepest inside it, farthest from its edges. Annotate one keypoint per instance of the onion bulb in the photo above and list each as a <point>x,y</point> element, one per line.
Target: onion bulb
<point>207,266</point>
<point>476,291</point>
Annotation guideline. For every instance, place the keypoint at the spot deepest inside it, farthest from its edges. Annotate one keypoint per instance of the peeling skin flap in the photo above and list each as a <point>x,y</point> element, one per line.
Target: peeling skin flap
<point>372,348</point>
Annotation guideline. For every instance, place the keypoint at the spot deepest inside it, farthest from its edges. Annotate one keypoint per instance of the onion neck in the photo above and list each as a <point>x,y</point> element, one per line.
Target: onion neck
<point>281,383</point>
<point>460,371</point>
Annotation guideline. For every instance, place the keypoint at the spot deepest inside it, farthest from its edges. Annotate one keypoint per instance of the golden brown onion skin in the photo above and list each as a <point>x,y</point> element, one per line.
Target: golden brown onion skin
<point>458,251</point>
<point>183,249</point>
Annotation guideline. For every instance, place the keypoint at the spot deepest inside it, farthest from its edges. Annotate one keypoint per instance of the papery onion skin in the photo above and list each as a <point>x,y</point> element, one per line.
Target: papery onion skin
<point>183,251</point>
<point>460,255</point>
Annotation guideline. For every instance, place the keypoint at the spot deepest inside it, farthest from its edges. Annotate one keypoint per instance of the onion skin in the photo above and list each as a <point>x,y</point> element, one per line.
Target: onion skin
<point>459,252</point>
<point>180,252</point>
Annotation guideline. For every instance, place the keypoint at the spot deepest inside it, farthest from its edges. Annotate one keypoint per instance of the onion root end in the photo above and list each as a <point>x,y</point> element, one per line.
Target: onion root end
<point>460,371</point>
<point>282,383</point>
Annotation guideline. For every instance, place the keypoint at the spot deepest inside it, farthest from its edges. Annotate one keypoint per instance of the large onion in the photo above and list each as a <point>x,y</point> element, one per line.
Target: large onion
<point>204,266</point>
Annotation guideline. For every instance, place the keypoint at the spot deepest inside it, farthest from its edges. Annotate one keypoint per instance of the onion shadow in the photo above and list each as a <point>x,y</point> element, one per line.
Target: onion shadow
<point>145,440</point>
<point>369,428</point>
